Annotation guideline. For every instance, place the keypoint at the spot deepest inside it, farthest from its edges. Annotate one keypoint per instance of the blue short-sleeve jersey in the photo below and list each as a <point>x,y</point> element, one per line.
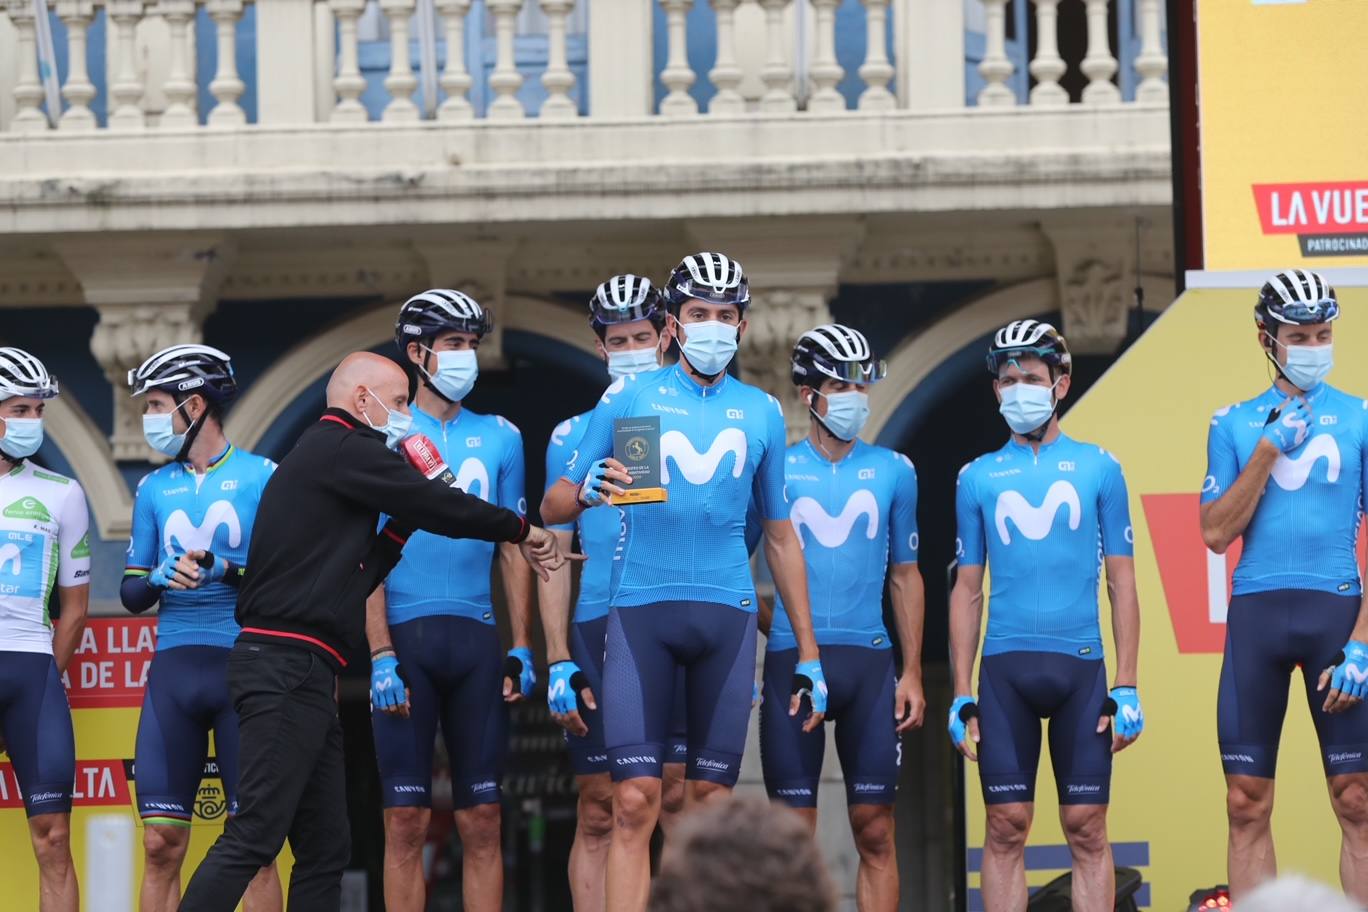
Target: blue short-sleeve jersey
<point>1304,533</point>
<point>1042,523</point>
<point>177,510</point>
<point>598,529</point>
<point>853,518</point>
<point>720,446</point>
<point>451,576</point>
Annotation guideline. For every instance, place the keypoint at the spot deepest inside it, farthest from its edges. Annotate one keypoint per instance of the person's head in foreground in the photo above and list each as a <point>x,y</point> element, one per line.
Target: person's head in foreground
<point>1287,894</point>
<point>742,855</point>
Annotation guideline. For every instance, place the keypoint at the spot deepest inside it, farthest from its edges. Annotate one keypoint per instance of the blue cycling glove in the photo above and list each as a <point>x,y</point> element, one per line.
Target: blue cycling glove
<point>1123,705</point>
<point>591,490</point>
<point>961,711</point>
<point>212,568</point>
<point>1350,676</point>
<point>1288,425</point>
<point>388,690</point>
<point>519,669</point>
<point>163,573</point>
<point>809,681</point>
<point>564,686</point>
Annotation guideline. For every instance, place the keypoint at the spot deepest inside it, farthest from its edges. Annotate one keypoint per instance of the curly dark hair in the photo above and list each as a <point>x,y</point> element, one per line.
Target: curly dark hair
<point>742,855</point>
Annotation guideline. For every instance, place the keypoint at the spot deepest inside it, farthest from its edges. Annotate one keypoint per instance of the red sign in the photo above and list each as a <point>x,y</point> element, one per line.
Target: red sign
<point>1332,207</point>
<point>1197,581</point>
<point>98,783</point>
<point>110,666</point>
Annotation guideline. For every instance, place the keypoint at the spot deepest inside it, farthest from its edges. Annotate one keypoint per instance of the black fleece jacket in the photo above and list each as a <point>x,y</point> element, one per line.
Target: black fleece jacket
<point>315,555</point>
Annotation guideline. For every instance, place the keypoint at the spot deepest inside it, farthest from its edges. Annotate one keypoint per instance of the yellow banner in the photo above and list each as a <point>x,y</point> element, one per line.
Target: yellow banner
<point>1284,145</point>
<point>105,687</point>
<point>1152,410</point>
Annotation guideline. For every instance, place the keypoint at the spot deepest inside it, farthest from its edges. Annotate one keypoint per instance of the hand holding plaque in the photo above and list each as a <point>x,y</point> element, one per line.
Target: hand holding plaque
<point>636,444</point>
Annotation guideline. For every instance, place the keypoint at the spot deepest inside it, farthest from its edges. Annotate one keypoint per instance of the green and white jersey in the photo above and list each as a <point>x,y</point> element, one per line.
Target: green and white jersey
<point>44,540</point>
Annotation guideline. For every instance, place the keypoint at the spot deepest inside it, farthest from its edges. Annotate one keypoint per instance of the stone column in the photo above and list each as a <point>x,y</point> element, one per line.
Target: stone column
<point>1095,264</point>
<point>150,293</point>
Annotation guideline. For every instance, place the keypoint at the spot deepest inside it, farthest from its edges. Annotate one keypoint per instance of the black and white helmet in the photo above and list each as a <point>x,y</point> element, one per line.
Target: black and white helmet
<point>22,375</point>
<point>185,370</point>
<point>710,277</point>
<point>625,299</point>
<point>836,352</point>
<point>1297,297</point>
<point>1029,337</point>
<point>439,310</point>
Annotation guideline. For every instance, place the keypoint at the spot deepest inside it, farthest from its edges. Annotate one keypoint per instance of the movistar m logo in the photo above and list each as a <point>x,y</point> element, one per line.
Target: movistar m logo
<point>1292,474</point>
<point>833,531</point>
<point>192,537</point>
<point>565,427</point>
<point>1035,522</point>
<point>1131,714</point>
<point>473,472</point>
<point>699,468</point>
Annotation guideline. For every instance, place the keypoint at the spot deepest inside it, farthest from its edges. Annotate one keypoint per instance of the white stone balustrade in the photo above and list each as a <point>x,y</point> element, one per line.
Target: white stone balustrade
<point>304,47</point>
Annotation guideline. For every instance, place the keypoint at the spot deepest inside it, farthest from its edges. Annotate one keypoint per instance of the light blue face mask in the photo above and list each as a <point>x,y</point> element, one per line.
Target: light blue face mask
<point>846,413</point>
<point>396,426</point>
<point>709,346</point>
<point>456,373</point>
<point>160,434</point>
<point>635,361</point>
<point>1027,406</point>
<point>1308,365</point>
<point>23,437</point>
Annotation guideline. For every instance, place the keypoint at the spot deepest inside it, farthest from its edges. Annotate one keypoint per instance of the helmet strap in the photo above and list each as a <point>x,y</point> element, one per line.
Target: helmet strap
<point>426,377</point>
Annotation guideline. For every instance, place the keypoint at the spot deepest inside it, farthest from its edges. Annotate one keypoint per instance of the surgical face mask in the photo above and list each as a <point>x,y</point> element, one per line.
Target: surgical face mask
<point>456,373</point>
<point>1027,406</point>
<point>846,413</point>
<point>1308,365</point>
<point>23,437</point>
<point>161,435</point>
<point>709,346</point>
<point>396,426</point>
<point>634,361</point>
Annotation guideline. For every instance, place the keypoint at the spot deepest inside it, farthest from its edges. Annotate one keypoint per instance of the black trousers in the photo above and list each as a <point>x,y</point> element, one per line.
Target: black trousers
<point>292,783</point>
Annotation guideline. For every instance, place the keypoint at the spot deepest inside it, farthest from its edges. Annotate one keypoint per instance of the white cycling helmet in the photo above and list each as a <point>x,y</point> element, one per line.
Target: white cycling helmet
<point>21,374</point>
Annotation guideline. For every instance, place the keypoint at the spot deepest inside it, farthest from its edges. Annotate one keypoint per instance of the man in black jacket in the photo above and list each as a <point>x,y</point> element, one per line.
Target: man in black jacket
<point>315,556</point>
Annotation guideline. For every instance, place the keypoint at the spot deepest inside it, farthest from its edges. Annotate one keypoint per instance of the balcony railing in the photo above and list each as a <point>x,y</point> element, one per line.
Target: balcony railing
<point>81,65</point>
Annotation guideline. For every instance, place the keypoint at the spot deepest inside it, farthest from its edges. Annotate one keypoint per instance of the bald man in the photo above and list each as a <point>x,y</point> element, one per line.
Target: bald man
<point>315,556</point>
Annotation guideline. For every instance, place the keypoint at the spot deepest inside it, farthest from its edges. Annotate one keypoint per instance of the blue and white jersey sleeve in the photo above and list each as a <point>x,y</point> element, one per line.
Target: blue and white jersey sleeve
<point>73,538</point>
<point>1223,462</point>
<point>597,440</point>
<point>144,542</point>
<point>770,494</point>
<point>970,548</point>
<point>564,438</point>
<point>513,471</point>
<point>904,540</point>
<point>1113,509</point>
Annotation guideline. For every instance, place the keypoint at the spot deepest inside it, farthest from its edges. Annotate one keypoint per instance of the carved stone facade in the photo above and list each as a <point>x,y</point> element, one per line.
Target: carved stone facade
<point>777,318</point>
<point>1095,265</point>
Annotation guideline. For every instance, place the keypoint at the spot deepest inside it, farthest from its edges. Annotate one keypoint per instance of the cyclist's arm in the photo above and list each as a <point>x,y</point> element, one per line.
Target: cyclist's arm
<point>909,613</point>
<point>517,583</point>
<point>75,606</point>
<point>1228,505</point>
<point>377,622</point>
<point>135,592</point>
<point>966,621</point>
<point>1125,611</point>
<point>553,601</point>
<point>764,614</point>
<point>785,556</point>
<point>561,503</point>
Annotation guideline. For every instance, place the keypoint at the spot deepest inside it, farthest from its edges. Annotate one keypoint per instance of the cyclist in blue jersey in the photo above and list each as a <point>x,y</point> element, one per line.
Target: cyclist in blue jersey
<point>1045,513</point>
<point>431,626</point>
<point>854,507</point>
<point>44,528</point>
<point>192,522</point>
<point>681,592</point>
<point>1286,470</point>
<point>628,319</point>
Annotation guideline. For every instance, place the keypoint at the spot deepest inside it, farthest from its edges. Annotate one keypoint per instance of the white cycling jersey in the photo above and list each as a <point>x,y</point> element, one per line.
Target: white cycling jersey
<point>44,540</point>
